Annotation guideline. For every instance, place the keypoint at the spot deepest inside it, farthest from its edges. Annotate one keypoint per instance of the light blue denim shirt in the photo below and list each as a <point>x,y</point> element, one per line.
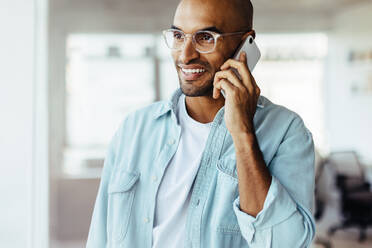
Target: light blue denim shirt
<point>146,141</point>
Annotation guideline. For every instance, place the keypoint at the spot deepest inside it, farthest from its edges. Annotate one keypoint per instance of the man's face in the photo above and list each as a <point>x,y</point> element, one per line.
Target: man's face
<point>195,15</point>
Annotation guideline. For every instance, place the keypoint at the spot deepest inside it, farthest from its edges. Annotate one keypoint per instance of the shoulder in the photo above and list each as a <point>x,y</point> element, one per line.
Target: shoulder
<point>282,116</point>
<point>277,125</point>
<point>147,112</point>
<point>276,110</point>
<point>138,118</point>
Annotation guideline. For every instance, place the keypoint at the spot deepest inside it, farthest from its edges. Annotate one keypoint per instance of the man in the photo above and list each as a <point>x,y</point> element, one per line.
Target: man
<point>203,170</point>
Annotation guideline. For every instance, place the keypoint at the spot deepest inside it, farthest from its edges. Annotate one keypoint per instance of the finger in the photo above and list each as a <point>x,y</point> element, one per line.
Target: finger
<point>256,88</point>
<point>217,87</point>
<point>228,87</point>
<point>221,75</point>
<point>243,57</point>
<point>243,71</point>
<point>230,76</point>
<point>258,91</point>
<point>216,90</point>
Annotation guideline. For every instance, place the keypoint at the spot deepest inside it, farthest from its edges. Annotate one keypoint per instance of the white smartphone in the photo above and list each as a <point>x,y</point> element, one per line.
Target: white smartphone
<point>250,47</point>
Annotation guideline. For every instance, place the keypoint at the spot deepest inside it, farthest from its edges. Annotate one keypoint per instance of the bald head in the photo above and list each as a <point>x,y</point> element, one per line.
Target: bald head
<point>228,15</point>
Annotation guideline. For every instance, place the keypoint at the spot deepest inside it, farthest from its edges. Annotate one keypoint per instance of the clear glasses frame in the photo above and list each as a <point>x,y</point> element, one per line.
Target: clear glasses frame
<point>215,36</point>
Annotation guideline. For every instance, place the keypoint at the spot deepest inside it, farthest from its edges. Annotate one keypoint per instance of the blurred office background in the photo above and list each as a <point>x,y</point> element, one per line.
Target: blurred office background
<point>72,69</point>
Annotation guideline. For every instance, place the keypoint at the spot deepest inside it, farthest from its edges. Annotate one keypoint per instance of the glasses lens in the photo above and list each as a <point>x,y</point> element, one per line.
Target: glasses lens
<point>204,41</point>
<point>174,39</point>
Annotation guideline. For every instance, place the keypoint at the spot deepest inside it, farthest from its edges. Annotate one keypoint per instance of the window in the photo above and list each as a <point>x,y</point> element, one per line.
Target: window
<point>107,76</point>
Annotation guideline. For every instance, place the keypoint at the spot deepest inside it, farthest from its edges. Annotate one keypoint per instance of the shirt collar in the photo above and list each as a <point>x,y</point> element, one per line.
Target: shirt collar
<point>171,104</point>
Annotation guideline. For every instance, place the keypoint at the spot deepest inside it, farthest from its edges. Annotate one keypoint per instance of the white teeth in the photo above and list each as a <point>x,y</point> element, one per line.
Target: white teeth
<point>192,70</point>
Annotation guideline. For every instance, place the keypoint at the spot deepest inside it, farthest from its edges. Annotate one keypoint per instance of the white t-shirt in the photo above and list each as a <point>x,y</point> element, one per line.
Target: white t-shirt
<point>174,191</point>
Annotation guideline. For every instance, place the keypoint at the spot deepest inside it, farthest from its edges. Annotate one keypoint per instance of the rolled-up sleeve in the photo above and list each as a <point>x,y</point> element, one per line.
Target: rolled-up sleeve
<point>286,218</point>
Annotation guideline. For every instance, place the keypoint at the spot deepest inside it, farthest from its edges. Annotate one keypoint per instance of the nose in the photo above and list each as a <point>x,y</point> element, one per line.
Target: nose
<point>188,53</point>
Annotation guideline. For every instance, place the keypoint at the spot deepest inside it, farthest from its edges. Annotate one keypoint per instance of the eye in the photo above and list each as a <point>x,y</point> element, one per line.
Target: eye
<point>177,35</point>
<point>205,37</point>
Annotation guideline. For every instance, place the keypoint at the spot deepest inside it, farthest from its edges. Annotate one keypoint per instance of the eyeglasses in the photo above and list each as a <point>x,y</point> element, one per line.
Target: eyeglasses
<point>203,41</point>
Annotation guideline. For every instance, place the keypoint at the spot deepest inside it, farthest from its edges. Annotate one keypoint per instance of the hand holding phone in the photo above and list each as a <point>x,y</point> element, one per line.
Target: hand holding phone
<point>242,91</point>
<point>253,54</point>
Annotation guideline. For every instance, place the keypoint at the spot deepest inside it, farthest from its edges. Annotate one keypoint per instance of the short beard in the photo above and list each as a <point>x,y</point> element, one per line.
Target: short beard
<point>206,90</point>
<point>190,89</point>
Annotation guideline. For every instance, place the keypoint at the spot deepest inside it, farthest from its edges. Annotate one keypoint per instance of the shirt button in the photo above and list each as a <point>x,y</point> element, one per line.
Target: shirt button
<point>171,141</point>
<point>154,178</point>
<point>146,220</point>
<point>197,202</point>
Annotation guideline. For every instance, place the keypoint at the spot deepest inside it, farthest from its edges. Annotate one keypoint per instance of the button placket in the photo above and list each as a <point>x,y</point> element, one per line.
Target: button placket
<point>214,147</point>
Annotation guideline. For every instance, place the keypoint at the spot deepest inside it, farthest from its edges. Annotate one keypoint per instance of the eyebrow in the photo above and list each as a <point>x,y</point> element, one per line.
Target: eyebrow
<point>212,28</point>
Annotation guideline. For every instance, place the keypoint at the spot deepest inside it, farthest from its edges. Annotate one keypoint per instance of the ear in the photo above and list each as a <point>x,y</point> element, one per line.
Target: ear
<point>252,33</point>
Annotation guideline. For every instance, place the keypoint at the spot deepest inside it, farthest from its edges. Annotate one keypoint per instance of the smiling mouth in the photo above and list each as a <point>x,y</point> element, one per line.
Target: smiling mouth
<point>192,74</point>
<point>192,71</point>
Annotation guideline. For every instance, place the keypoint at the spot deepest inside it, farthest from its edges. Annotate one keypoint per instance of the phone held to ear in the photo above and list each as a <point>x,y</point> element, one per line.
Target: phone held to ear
<point>253,55</point>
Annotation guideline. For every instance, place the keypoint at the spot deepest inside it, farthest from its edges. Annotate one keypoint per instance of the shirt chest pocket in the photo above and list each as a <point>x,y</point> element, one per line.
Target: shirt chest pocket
<point>226,192</point>
<point>121,192</point>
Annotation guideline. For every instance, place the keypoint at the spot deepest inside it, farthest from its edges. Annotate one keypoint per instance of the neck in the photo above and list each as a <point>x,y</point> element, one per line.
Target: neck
<point>203,109</point>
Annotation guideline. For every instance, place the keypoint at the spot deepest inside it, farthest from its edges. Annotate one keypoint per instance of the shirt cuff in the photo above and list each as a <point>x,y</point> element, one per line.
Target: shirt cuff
<point>278,206</point>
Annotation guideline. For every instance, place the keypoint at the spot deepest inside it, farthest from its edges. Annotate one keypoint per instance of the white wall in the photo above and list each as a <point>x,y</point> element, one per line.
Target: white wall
<point>18,146</point>
<point>349,116</point>
<point>16,108</point>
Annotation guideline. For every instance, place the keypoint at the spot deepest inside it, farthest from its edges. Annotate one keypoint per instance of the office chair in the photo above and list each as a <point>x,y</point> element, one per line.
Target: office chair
<point>356,197</point>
